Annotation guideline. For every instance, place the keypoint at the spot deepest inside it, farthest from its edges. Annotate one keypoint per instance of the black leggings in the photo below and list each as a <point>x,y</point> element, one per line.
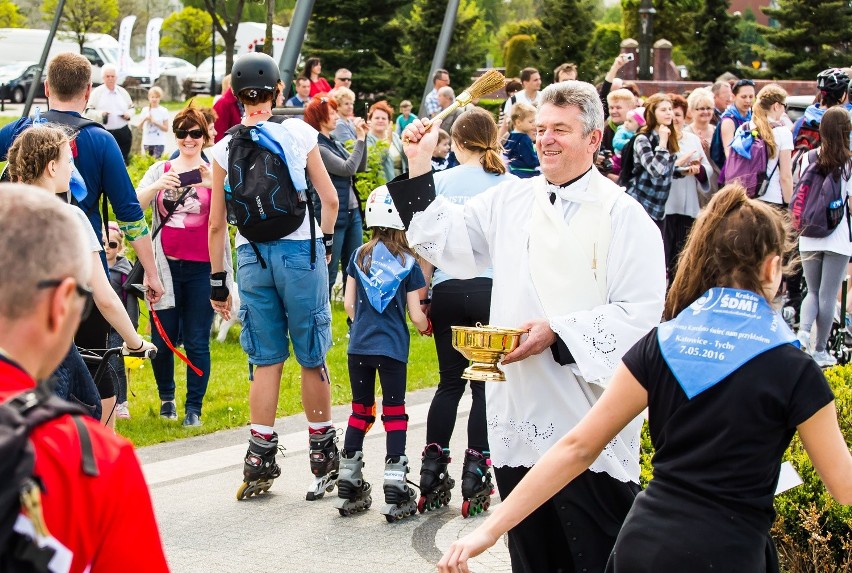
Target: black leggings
<point>362,378</point>
<point>457,303</point>
<point>573,531</point>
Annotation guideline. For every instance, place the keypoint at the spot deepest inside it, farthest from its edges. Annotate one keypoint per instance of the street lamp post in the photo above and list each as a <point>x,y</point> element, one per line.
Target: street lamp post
<point>646,38</point>
<point>213,53</point>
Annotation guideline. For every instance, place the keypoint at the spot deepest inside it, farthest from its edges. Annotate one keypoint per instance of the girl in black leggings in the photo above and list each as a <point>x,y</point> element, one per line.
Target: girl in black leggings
<point>460,303</point>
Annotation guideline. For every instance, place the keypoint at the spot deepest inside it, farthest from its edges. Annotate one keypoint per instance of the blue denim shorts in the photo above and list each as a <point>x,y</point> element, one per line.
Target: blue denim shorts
<point>287,301</point>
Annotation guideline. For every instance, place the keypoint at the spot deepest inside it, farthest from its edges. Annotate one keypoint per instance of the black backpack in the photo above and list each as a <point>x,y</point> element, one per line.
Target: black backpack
<point>19,416</point>
<point>628,164</point>
<point>260,198</point>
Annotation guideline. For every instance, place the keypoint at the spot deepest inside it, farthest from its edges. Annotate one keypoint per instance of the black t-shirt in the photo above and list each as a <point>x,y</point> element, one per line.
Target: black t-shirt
<point>727,442</point>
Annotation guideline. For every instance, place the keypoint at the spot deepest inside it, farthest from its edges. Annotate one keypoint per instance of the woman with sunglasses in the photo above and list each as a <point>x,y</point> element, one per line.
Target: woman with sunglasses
<point>41,156</point>
<point>179,192</point>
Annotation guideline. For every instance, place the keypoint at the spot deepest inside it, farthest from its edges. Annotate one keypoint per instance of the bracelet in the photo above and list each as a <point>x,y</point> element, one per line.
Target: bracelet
<point>425,300</point>
<point>138,348</point>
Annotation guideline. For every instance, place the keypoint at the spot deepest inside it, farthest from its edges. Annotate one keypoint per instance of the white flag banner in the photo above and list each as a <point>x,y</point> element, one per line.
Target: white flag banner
<point>124,32</point>
<point>152,47</point>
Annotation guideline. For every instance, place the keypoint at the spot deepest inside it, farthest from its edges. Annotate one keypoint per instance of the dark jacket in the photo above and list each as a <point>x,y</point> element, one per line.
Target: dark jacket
<point>342,167</point>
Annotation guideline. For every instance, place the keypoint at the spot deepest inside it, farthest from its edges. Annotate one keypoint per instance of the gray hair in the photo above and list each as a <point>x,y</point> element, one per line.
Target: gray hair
<point>341,94</point>
<point>42,240</point>
<point>447,91</point>
<point>717,87</point>
<point>578,94</point>
<point>699,96</point>
<point>109,68</point>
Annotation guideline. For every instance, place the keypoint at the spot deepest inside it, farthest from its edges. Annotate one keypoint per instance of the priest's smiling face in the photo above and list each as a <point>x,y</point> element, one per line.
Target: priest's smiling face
<point>564,152</point>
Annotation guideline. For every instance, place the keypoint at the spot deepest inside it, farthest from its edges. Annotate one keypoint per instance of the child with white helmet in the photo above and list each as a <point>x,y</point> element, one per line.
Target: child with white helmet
<point>383,278</point>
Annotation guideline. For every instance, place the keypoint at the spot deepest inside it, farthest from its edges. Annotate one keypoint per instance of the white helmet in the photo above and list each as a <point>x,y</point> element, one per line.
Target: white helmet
<point>381,212</point>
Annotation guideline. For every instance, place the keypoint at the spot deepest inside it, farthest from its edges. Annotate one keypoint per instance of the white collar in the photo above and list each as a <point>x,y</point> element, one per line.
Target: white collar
<point>576,191</point>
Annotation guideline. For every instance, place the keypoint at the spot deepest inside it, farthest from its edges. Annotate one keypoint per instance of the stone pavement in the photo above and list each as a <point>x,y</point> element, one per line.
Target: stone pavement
<point>205,529</point>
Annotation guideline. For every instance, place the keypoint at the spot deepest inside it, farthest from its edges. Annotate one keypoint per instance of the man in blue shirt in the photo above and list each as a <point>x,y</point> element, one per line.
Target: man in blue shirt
<point>99,161</point>
<point>303,94</point>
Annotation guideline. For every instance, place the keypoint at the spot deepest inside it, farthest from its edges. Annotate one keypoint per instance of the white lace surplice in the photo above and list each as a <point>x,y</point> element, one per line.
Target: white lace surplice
<point>541,400</point>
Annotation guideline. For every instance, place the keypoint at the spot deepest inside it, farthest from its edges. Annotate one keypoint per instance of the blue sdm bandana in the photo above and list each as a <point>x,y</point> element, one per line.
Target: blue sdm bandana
<point>386,274</point>
<point>719,332</point>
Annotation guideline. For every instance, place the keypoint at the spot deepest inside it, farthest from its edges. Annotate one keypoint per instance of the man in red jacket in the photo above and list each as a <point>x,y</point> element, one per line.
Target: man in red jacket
<point>96,523</point>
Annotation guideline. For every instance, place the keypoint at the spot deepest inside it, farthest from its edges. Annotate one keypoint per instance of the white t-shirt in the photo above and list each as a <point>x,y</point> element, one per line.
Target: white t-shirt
<point>783,142</point>
<point>92,242</point>
<point>838,241</point>
<point>305,138</point>
<point>116,103</point>
<point>521,97</point>
<point>151,134</point>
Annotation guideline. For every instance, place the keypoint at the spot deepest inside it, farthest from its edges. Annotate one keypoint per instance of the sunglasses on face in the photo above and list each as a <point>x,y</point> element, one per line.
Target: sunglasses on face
<point>112,245</point>
<point>193,133</point>
<point>344,79</point>
<point>84,292</point>
<point>704,109</point>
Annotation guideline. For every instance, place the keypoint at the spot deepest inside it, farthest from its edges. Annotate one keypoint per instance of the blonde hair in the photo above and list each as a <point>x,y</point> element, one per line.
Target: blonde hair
<point>699,96</point>
<point>155,90</point>
<point>520,111</point>
<point>768,96</point>
<point>34,149</point>
<point>341,94</point>
<point>622,94</point>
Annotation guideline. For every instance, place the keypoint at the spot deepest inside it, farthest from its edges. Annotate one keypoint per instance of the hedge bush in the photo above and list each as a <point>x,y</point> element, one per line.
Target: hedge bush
<point>812,532</point>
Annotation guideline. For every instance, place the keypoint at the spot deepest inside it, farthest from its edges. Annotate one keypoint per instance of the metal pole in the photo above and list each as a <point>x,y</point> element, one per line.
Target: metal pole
<point>213,53</point>
<point>646,38</point>
<point>293,44</point>
<point>441,49</point>
<point>43,61</point>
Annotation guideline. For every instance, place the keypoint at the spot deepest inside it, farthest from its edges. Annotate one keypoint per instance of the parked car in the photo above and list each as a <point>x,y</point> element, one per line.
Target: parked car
<point>15,81</point>
<point>201,78</point>
<point>796,106</point>
<point>169,66</point>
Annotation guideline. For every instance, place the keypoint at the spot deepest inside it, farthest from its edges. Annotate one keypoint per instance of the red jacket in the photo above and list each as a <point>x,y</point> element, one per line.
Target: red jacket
<point>228,112</point>
<point>105,522</point>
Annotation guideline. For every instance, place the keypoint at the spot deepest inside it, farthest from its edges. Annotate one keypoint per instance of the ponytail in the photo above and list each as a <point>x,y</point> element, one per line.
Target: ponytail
<point>768,96</point>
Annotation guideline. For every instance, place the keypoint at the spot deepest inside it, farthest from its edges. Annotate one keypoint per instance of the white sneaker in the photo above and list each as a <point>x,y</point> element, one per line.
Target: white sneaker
<point>804,338</point>
<point>121,411</point>
<point>824,359</point>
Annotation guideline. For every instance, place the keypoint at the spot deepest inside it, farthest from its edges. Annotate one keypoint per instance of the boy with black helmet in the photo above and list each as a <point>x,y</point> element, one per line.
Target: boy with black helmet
<point>284,293</point>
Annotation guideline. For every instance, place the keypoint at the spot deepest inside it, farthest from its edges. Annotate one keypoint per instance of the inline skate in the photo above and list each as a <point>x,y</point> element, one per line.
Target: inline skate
<point>399,498</point>
<point>436,485</point>
<point>325,461</point>
<point>476,483</point>
<point>353,493</point>
<point>260,468</point>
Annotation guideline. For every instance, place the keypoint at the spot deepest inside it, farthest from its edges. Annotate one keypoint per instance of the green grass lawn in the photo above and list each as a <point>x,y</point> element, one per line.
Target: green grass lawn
<point>200,101</point>
<point>226,402</point>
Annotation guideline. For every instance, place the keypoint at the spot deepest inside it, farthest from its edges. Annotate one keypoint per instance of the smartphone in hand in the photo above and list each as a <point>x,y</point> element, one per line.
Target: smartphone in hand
<point>189,177</point>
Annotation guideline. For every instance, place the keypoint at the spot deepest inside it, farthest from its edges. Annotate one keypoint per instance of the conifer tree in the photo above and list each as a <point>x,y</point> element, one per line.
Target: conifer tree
<point>712,50</point>
<point>568,28</point>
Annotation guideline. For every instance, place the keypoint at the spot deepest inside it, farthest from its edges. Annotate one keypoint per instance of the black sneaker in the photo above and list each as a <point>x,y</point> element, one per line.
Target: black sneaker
<point>168,410</point>
<point>191,420</point>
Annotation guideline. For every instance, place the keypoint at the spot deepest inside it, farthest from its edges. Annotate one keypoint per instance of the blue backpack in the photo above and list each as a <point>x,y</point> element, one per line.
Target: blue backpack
<point>717,149</point>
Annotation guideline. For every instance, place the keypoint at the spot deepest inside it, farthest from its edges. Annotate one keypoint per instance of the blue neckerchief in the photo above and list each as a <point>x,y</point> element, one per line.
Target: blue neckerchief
<point>718,333</point>
<point>733,112</point>
<point>77,185</point>
<point>274,137</point>
<point>743,140</point>
<point>386,274</point>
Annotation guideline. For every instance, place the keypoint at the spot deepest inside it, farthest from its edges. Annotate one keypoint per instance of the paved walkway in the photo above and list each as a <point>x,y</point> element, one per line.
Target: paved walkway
<point>194,481</point>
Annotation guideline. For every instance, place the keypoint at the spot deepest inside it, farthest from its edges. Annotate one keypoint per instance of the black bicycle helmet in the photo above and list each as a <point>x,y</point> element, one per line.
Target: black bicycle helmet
<point>833,82</point>
<point>254,70</point>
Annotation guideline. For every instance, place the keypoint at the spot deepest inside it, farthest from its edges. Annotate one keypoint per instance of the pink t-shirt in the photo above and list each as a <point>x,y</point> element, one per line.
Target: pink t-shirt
<point>184,236</point>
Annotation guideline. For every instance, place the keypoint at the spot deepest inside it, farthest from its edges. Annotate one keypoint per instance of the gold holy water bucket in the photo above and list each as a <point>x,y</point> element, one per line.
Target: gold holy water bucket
<point>485,346</point>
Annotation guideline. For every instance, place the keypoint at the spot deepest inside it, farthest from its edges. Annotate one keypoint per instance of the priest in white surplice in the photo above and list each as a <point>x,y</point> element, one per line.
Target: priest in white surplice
<point>580,264</point>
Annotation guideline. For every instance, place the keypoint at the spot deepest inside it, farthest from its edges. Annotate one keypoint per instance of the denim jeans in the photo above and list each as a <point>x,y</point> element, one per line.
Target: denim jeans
<point>348,236</point>
<point>74,383</point>
<point>191,318</point>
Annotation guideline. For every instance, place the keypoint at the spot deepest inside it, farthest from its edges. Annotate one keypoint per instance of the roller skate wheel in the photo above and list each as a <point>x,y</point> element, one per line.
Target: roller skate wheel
<point>421,504</point>
<point>368,503</point>
<point>330,487</point>
<point>486,505</point>
<point>392,518</point>
<point>465,508</point>
<point>241,492</point>
<point>311,496</point>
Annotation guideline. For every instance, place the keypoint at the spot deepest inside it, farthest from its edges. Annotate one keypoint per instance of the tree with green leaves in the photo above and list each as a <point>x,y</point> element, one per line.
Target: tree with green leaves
<point>675,20</point>
<point>226,15</point>
<point>519,53</point>
<point>750,45</point>
<point>606,45</point>
<point>420,30</point>
<point>10,16</point>
<point>357,35</point>
<point>712,51</point>
<point>567,33</point>
<point>186,34</point>
<point>811,35</point>
<point>83,17</point>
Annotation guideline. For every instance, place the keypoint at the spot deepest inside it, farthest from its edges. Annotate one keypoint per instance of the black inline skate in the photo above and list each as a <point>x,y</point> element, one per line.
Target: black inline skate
<point>436,485</point>
<point>260,468</point>
<point>325,461</point>
<point>353,493</point>
<point>476,483</point>
<point>399,498</point>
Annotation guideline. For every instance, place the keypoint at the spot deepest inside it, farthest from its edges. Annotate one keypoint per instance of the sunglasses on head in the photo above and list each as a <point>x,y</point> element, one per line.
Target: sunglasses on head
<point>741,83</point>
<point>193,133</point>
<point>84,292</point>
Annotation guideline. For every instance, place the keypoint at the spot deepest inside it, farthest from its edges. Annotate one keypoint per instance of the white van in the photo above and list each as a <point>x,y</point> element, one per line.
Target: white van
<point>27,44</point>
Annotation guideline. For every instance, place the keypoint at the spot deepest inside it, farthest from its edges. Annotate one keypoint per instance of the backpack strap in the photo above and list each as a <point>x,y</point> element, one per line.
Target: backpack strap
<point>90,466</point>
<point>72,121</point>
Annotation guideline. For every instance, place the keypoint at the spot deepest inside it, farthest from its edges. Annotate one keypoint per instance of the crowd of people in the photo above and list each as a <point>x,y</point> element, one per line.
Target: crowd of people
<point>667,214</point>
